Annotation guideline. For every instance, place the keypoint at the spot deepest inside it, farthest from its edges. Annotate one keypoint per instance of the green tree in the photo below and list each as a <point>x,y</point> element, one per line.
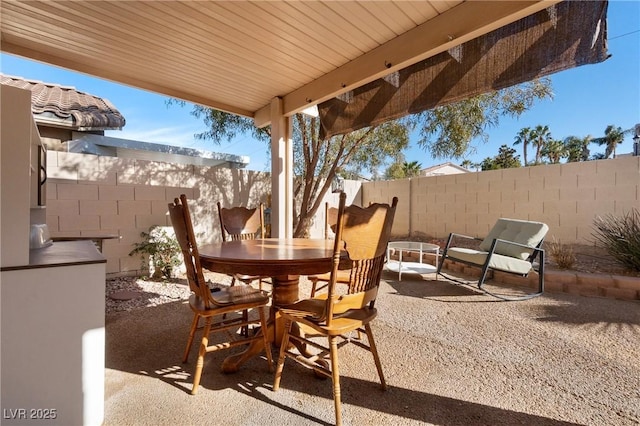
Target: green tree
<point>506,159</point>
<point>401,169</point>
<point>222,125</point>
<point>554,150</point>
<point>540,136</point>
<point>613,136</point>
<point>488,164</point>
<point>447,131</point>
<point>411,169</point>
<point>577,148</point>
<point>468,164</point>
<point>524,137</point>
<point>317,162</point>
<point>394,171</point>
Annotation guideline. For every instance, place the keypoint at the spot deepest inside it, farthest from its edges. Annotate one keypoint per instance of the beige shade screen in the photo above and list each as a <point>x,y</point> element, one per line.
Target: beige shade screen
<point>563,36</point>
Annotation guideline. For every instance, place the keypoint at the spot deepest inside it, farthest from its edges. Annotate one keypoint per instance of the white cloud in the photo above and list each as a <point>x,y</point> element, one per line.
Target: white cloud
<point>171,135</point>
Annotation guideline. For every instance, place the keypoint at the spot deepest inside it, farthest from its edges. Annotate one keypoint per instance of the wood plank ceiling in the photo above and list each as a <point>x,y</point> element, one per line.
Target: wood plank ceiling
<point>238,55</point>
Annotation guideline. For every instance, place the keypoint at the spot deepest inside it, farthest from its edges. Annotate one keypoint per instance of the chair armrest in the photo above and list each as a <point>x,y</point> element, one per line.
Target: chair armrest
<point>513,243</point>
<point>535,250</point>
<point>455,235</point>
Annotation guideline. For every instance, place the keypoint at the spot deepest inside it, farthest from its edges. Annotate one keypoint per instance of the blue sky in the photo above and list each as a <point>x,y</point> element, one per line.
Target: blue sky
<point>586,100</point>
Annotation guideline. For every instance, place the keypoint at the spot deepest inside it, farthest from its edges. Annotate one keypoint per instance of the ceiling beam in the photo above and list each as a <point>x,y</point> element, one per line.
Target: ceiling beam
<point>48,55</point>
<point>472,19</point>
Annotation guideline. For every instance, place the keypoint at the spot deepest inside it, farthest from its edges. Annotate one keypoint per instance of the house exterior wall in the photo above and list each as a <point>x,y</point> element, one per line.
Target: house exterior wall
<point>568,197</point>
<point>15,161</point>
<point>444,169</point>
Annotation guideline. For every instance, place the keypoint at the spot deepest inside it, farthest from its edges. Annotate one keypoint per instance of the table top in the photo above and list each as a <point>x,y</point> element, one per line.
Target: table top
<point>269,256</point>
<point>412,245</point>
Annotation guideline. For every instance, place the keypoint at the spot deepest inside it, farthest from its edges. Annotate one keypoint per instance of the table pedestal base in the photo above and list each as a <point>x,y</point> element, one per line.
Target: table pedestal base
<point>285,292</point>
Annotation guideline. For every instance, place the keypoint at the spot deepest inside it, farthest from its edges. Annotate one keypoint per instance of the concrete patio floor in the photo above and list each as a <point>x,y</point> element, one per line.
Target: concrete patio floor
<point>451,356</point>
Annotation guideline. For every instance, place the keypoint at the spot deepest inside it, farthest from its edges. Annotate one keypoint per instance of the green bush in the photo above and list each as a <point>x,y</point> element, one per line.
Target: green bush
<point>163,250</point>
<point>620,236</point>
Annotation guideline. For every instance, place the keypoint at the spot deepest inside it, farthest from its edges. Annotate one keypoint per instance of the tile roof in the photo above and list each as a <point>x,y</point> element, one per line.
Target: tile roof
<point>68,107</point>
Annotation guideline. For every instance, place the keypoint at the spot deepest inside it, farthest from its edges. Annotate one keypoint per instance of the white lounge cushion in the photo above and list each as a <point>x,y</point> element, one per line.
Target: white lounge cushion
<point>519,231</point>
<point>499,262</point>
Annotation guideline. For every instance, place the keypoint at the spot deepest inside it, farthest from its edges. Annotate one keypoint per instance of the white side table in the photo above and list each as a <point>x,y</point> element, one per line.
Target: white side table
<point>411,267</point>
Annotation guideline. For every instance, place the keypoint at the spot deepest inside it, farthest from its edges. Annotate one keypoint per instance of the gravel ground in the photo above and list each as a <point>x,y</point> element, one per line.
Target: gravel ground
<point>142,292</point>
<point>451,357</point>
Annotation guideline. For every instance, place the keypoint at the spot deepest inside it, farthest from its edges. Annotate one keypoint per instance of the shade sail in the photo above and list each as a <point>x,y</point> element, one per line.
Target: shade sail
<point>563,36</point>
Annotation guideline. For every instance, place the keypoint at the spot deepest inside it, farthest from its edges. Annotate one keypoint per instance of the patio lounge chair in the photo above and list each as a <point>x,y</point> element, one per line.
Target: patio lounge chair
<point>511,246</point>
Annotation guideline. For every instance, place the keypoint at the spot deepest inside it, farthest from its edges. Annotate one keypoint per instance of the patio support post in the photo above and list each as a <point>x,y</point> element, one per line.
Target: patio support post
<point>281,172</point>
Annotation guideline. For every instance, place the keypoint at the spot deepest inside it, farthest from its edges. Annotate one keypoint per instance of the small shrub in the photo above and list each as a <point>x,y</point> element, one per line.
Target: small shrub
<point>620,236</point>
<point>162,249</point>
<point>562,254</point>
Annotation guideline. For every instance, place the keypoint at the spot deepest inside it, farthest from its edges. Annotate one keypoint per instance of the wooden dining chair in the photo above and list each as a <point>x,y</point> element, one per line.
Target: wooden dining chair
<point>242,223</point>
<point>361,241</point>
<point>212,304</point>
<point>321,281</point>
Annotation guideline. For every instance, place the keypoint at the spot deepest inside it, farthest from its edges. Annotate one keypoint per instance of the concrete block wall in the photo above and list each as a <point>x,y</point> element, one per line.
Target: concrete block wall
<point>88,195</point>
<point>568,197</point>
<point>91,195</point>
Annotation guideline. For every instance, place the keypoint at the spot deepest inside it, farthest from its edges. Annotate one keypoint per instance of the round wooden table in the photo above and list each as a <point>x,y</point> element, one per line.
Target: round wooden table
<point>282,259</point>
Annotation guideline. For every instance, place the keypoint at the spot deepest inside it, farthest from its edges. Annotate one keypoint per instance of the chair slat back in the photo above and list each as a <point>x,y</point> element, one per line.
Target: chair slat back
<point>241,223</point>
<point>363,233</point>
<point>330,220</point>
<point>183,229</point>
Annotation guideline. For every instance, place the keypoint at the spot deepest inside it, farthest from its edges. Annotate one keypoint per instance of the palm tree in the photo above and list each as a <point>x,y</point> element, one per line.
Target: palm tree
<point>540,136</point>
<point>577,148</point>
<point>613,136</point>
<point>524,137</point>
<point>554,150</point>
<point>467,164</point>
<point>411,169</point>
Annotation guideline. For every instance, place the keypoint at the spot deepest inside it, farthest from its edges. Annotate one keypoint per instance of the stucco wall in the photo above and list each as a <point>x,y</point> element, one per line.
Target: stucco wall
<point>565,196</point>
<point>90,195</point>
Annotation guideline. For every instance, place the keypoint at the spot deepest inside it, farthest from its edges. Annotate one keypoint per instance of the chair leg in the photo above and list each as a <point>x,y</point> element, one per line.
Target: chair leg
<point>245,318</point>
<point>376,357</point>
<point>483,276</point>
<point>267,343</point>
<point>281,357</point>
<point>313,287</point>
<point>192,333</point>
<point>203,350</point>
<point>444,255</point>
<point>541,273</point>
<point>335,377</point>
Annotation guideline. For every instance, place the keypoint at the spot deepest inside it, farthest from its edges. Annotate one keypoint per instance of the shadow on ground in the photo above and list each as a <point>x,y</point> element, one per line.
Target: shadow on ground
<point>148,343</point>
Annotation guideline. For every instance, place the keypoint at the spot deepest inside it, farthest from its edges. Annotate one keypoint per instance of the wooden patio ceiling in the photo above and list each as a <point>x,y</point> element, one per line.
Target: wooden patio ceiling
<point>237,56</point>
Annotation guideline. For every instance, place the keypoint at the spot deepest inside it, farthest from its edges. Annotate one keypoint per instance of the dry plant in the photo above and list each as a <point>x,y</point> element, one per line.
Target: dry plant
<point>562,254</point>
